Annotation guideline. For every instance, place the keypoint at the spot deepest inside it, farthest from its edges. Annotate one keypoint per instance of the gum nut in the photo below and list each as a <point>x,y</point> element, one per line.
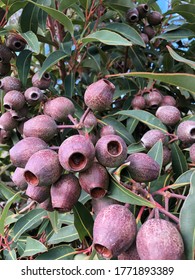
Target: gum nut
<point>7,122</point>
<point>10,83</point>
<point>130,254</point>
<point>59,108</point>
<point>154,18</point>
<point>114,231</point>
<point>18,178</point>
<point>151,137</point>
<point>111,150</point>
<point>47,205</point>
<point>99,203</point>
<point>13,100</point>
<point>169,115</point>
<point>95,180</point>
<point>149,30</point>
<point>153,99</point>
<point>186,132</point>
<point>41,126</point>
<point>65,192</point>
<point>107,130</point>
<point>21,114</point>
<point>90,120</point>
<point>166,155</point>
<point>43,168</point>
<point>145,38</point>
<point>38,193</point>
<point>138,102</point>
<point>43,82</point>
<point>15,42</point>
<point>142,167</point>
<point>76,153</point>
<point>24,149</point>
<point>132,15</point>
<point>5,135</point>
<point>99,95</point>
<point>33,95</point>
<point>143,10</point>
<point>158,239</point>
<point>5,54</point>
<point>5,69</point>
<point>192,153</point>
<point>168,100</point>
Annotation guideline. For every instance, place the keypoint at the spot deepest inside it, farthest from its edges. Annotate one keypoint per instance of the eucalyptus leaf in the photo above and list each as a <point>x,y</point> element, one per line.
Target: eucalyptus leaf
<point>65,234</point>
<point>33,247</point>
<point>62,252</point>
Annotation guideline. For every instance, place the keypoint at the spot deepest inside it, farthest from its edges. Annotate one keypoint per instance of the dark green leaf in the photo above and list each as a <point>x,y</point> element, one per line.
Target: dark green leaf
<point>23,63</point>
<point>66,4</point>
<point>83,221</point>
<point>156,152</point>
<point>180,58</point>
<point>29,18</point>
<point>69,84</point>
<point>33,247</point>
<point>187,221</point>
<point>53,217</point>
<point>32,41</point>
<point>65,234</point>
<point>179,162</point>
<point>62,252</point>
<point>135,148</point>
<point>176,35</point>
<point>183,180</point>
<point>187,11</point>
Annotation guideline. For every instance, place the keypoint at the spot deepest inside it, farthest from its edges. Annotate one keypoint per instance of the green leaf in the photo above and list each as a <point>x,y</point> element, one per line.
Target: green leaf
<point>65,234</point>
<point>181,80</point>
<point>175,35</point>
<point>27,221</point>
<point>32,41</point>
<point>145,117</point>
<point>122,194</point>
<point>51,60</point>
<point>119,127</point>
<point>120,3</point>
<point>33,247</point>
<point>6,191</point>
<point>5,211</point>
<point>126,31</point>
<point>187,221</point>
<point>58,15</point>
<point>183,180</point>
<point>29,18</point>
<point>180,58</point>
<point>84,197</point>
<point>66,4</point>
<point>9,254</point>
<point>156,152</point>
<point>179,163</point>
<point>62,252</point>
<point>187,11</point>
<point>53,217</point>
<point>107,37</point>
<point>23,63</point>
<point>69,84</point>
<point>83,221</point>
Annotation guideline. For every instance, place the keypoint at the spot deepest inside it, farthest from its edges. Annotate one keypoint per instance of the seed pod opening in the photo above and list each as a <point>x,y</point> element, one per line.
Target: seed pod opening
<point>13,100</point>
<point>33,95</point>
<point>7,122</point>
<point>43,82</point>
<point>15,42</point>
<point>132,15</point>
<point>186,132</point>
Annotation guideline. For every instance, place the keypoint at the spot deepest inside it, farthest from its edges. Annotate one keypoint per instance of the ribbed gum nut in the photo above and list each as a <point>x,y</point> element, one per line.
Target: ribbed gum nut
<point>90,121</point>
<point>149,30</point>
<point>142,167</point>
<point>168,100</point>
<point>43,82</point>
<point>99,95</point>
<point>47,205</point>
<point>13,100</point>
<point>5,69</point>
<point>65,193</point>
<point>15,42</point>
<point>4,136</point>
<point>114,231</point>
<point>130,254</point>
<point>111,150</point>
<point>166,155</point>
<point>10,83</point>
<point>5,54</point>
<point>158,239</point>
<point>151,137</point>
<point>95,180</point>
<point>154,18</point>
<point>132,15</point>
<point>18,178</point>
<point>38,193</point>
<point>186,132</point>
<point>41,126</point>
<point>76,153</point>
<point>143,10</point>
<point>59,108</point>
<point>24,149</point>
<point>169,115</point>
<point>192,153</point>
<point>107,130</point>
<point>153,99</point>
<point>138,102</point>
<point>43,168</point>
<point>33,95</point>
<point>99,203</point>
<point>7,122</point>
<point>145,38</point>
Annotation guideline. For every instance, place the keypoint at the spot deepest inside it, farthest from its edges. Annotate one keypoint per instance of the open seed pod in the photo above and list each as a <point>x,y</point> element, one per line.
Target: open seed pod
<point>33,95</point>
<point>13,100</point>
<point>7,122</point>
<point>186,132</point>
<point>15,42</point>
<point>43,82</point>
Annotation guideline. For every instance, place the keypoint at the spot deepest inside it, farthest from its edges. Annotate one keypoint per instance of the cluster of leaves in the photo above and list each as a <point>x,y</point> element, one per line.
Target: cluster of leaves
<point>79,42</point>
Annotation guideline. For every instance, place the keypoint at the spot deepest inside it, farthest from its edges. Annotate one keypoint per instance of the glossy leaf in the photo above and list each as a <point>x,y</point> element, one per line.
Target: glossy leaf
<point>53,217</point>
<point>33,247</point>
<point>179,162</point>
<point>32,41</point>
<point>187,221</point>
<point>69,84</point>
<point>107,37</point>
<point>27,221</point>
<point>183,180</point>
<point>83,221</point>
<point>29,18</point>
<point>156,152</point>
<point>51,60</point>
<point>23,63</point>
<point>65,234</point>
<point>187,11</point>
<point>180,58</point>
<point>176,35</point>
<point>135,148</point>
<point>122,194</point>
<point>66,4</point>
<point>9,254</point>
<point>145,117</point>
<point>62,252</point>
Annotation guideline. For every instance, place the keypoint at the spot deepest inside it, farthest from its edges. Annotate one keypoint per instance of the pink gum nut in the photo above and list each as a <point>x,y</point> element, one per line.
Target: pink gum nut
<point>13,100</point>
<point>38,193</point>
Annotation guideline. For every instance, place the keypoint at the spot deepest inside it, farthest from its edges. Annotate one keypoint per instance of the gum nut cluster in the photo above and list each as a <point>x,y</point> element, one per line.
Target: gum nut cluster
<point>147,21</point>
